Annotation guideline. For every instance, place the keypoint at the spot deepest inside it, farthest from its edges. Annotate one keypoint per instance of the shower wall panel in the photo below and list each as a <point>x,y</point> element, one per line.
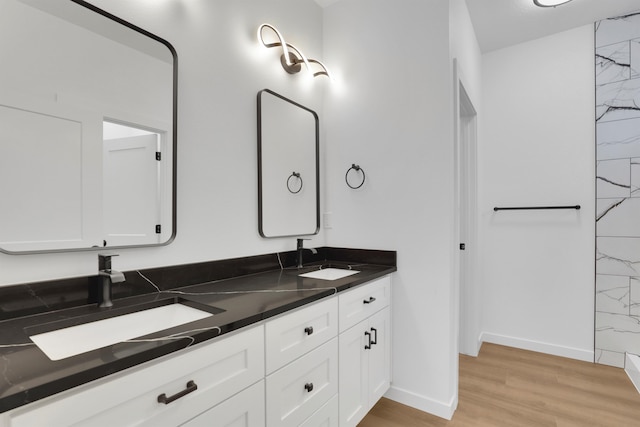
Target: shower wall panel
<point>617,55</point>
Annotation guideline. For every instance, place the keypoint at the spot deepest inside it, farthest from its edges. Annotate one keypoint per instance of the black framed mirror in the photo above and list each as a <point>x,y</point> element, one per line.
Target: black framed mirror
<point>88,132</point>
<point>288,167</point>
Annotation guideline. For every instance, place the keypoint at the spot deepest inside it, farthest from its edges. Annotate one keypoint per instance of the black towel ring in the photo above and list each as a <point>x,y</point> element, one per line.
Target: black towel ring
<point>357,169</point>
<point>297,175</point>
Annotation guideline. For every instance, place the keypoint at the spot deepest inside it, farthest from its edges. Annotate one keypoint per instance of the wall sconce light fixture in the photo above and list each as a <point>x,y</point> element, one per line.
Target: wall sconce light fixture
<point>292,58</point>
<point>550,3</point>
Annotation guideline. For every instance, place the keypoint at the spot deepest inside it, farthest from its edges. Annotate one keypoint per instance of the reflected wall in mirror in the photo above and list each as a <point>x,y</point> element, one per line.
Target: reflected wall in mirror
<point>87,130</point>
<point>288,167</point>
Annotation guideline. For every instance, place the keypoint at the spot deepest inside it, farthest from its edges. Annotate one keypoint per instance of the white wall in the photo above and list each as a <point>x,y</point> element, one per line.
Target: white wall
<point>465,48</point>
<point>537,148</point>
<point>390,111</point>
<point>221,69</point>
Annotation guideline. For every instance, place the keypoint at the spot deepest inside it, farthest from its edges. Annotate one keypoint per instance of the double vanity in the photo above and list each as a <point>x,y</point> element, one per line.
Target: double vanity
<point>257,341</point>
<point>253,341</point>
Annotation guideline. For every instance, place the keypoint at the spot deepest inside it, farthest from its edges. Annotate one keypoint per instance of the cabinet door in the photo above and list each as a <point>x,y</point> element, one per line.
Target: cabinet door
<point>379,355</point>
<point>354,375</point>
<point>245,409</point>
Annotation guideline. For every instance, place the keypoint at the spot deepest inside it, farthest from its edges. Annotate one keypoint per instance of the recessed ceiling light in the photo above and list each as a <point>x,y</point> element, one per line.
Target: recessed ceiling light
<point>550,3</point>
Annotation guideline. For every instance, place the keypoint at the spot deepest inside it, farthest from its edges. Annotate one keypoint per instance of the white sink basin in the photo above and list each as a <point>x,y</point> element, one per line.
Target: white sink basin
<point>74,340</point>
<point>329,274</point>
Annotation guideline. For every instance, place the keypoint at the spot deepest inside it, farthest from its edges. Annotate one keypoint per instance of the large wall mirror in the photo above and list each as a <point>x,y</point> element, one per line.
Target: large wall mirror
<point>288,167</point>
<point>87,130</point>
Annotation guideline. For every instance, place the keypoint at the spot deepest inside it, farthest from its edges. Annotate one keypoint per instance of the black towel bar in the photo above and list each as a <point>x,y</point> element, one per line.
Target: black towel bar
<point>528,208</point>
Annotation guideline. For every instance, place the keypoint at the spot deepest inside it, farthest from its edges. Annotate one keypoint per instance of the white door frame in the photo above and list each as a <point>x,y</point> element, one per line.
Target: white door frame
<point>467,295</point>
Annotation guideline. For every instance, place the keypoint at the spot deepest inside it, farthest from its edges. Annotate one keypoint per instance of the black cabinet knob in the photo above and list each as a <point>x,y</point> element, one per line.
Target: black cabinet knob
<point>308,330</point>
<point>308,387</point>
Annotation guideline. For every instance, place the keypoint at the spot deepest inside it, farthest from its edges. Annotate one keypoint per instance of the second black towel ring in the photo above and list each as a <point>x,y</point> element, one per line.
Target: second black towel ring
<point>357,169</point>
<point>296,175</point>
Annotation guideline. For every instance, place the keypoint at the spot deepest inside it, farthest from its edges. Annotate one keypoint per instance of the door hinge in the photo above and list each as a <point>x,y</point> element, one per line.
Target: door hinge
<point>462,246</point>
<point>158,155</point>
<point>158,229</point>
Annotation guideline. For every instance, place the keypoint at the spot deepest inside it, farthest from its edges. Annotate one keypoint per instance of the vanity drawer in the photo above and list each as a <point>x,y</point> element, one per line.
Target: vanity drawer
<point>245,409</point>
<point>299,389</point>
<point>359,303</point>
<point>327,416</point>
<point>219,370</point>
<point>294,334</point>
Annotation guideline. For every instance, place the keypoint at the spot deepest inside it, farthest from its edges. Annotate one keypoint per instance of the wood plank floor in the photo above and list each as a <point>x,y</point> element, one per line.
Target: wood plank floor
<point>504,386</point>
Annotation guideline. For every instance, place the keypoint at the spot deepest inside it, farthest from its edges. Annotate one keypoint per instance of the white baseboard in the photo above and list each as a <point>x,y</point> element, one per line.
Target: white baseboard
<point>541,347</point>
<point>632,368</point>
<point>439,409</point>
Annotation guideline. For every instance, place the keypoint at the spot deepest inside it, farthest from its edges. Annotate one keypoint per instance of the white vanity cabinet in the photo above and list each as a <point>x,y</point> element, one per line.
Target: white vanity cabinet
<point>365,349</point>
<point>302,362</point>
<point>347,364</point>
<point>324,364</point>
<point>192,381</point>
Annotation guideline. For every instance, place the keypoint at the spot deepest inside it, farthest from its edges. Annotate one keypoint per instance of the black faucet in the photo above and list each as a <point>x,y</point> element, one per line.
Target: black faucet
<point>107,278</point>
<point>299,249</point>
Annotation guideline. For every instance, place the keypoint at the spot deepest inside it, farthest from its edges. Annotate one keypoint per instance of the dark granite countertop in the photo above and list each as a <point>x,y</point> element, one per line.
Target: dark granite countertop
<point>269,286</point>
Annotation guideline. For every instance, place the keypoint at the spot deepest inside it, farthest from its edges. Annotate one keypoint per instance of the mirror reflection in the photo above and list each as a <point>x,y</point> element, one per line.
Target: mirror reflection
<point>87,130</point>
<point>288,167</point>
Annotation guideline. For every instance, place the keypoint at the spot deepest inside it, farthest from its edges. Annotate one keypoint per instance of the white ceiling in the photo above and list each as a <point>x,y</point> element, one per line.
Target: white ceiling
<point>502,23</point>
<point>325,3</point>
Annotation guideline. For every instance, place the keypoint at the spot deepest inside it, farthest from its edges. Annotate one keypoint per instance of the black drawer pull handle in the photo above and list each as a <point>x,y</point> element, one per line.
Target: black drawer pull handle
<point>375,340</point>
<point>308,387</point>
<point>191,387</point>
<point>369,301</point>
<point>368,346</point>
<point>308,330</point>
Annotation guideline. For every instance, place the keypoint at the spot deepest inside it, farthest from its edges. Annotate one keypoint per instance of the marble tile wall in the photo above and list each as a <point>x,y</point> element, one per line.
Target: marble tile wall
<point>617,57</point>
